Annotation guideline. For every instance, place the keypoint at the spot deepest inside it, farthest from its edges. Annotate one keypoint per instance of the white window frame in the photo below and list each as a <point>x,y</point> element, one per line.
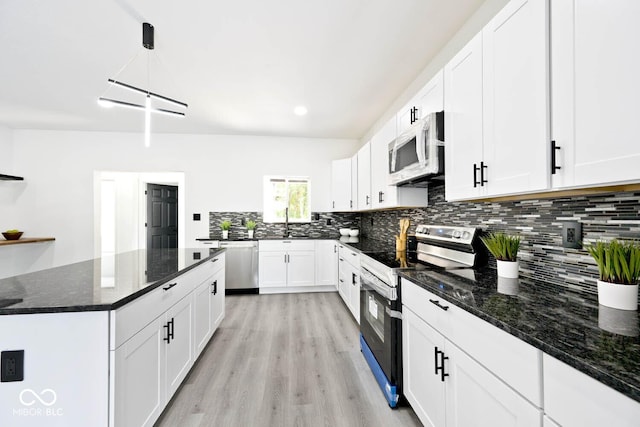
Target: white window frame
<point>269,208</point>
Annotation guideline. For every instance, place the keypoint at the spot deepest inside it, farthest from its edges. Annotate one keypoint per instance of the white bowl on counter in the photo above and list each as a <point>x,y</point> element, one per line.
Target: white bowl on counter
<point>354,233</point>
<point>344,231</point>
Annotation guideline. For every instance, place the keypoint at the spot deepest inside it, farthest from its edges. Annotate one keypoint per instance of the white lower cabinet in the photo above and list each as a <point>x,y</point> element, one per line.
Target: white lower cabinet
<point>139,378</point>
<point>349,280</point>
<point>572,398</point>
<point>148,366</point>
<point>286,264</point>
<point>444,382</point>
<point>326,263</point>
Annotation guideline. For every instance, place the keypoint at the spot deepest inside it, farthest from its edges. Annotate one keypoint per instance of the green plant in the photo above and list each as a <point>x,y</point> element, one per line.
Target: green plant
<point>502,246</point>
<point>251,225</point>
<point>225,225</point>
<point>618,261</point>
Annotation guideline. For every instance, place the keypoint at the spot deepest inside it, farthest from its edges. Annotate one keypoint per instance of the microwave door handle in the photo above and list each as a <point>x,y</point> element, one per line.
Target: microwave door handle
<point>421,147</point>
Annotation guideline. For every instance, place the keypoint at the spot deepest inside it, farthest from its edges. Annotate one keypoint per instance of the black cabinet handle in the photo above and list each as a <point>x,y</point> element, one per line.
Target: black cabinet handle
<point>342,280</point>
<point>435,359</point>
<point>214,260</point>
<point>437,303</point>
<point>341,259</point>
<point>215,287</point>
<point>168,328</point>
<point>380,196</point>
<point>482,168</point>
<point>414,115</point>
<point>353,279</point>
<point>335,249</point>
<point>172,328</point>
<point>554,148</point>
<point>443,374</point>
<point>475,175</point>
<point>334,204</point>
<point>171,285</point>
<point>368,200</point>
<point>351,204</point>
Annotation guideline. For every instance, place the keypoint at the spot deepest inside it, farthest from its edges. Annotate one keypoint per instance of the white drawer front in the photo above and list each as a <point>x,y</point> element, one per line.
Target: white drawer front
<point>350,256</point>
<point>286,245</point>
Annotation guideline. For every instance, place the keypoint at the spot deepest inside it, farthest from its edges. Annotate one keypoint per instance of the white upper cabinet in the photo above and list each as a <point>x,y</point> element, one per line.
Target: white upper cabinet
<point>364,177</point>
<point>341,185</point>
<point>463,121</point>
<point>354,182</point>
<point>595,91</point>
<point>516,98</point>
<point>428,100</point>
<point>512,125</point>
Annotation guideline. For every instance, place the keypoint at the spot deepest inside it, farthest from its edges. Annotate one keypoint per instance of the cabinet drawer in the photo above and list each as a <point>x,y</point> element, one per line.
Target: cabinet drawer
<point>500,352</point>
<point>350,256</point>
<point>286,245</point>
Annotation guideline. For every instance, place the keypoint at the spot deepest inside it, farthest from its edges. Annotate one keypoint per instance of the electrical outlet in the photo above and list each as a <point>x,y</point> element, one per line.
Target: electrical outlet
<point>12,366</point>
<point>328,221</point>
<point>196,255</point>
<point>196,217</point>
<point>572,235</point>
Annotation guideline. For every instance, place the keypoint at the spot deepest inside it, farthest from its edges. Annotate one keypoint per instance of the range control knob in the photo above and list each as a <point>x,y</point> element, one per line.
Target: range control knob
<point>466,235</point>
<point>456,234</point>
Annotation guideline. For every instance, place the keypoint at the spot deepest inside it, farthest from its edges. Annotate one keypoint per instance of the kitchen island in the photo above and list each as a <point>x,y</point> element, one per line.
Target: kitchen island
<point>107,341</point>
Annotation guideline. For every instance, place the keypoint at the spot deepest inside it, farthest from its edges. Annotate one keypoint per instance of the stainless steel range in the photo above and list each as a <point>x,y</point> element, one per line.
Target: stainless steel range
<point>455,249</point>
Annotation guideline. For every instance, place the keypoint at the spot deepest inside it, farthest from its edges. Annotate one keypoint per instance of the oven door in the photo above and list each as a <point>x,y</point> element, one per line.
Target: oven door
<point>380,324</point>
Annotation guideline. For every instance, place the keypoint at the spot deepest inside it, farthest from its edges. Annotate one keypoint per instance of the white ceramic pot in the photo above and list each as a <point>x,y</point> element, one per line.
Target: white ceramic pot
<point>508,269</point>
<point>250,233</point>
<point>623,297</point>
<point>508,285</point>
<point>225,234</point>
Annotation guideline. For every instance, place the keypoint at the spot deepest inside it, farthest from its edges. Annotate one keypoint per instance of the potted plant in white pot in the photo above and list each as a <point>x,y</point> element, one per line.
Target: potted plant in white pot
<point>505,249</point>
<point>251,226</point>
<point>619,268</point>
<point>225,226</point>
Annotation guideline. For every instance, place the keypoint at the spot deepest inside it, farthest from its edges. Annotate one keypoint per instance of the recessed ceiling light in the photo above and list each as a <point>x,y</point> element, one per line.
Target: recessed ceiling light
<point>300,110</point>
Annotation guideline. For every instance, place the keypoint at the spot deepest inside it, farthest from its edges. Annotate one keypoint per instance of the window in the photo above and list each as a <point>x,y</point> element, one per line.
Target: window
<point>284,195</point>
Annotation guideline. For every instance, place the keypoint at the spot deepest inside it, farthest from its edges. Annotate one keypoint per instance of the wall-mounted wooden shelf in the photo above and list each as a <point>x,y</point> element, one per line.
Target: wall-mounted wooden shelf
<point>26,240</point>
<point>4,177</point>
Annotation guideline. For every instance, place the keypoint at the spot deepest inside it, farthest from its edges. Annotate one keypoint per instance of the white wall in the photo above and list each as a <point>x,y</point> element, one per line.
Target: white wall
<point>221,173</point>
<point>469,29</point>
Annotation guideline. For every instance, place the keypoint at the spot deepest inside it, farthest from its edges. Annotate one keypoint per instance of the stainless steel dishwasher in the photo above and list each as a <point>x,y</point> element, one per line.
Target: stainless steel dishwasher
<point>241,275</point>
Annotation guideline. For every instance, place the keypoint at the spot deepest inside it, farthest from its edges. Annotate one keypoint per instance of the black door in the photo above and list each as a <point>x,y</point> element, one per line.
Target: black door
<point>162,216</point>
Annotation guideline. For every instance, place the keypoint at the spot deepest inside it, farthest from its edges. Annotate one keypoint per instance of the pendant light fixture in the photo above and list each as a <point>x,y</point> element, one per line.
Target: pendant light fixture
<point>147,107</point>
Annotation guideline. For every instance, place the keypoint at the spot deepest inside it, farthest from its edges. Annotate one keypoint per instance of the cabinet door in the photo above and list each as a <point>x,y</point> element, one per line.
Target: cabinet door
<point>515,98</point>
<point>364,177</point>
<point>139,377</point>
<point>216,293</point>
<point>201,317</point>
<point>343,281</point>
<point>354,294</point>
<point>430,99</point>
<point>341,185</point>
<point>463,121</point>
<point>595,69</point>
<point>326,263</point>
<point>354,183</point>
<point>384,195</point>
<point>179,349</point>
<point>272,269</point>
<point>422,387</point>
<point>475,397</point>
<point>301,267</point>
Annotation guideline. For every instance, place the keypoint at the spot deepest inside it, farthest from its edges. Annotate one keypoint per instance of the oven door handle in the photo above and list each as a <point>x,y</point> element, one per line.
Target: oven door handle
<point>367,279</point>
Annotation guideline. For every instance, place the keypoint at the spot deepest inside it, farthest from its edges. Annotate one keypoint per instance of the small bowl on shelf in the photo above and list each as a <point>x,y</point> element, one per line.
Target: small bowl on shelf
<point>344,231</point>
<point>12,235</point>
<point>354,232</point>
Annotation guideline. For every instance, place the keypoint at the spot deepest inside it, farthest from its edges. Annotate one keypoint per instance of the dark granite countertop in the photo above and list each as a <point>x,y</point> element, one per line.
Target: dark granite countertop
<point>83,286</point>
<point>313,236</point>
<point>601,342</point>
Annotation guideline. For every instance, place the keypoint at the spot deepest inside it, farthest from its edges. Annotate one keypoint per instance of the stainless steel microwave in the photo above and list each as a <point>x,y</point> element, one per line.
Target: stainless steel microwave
<point>418,153</point>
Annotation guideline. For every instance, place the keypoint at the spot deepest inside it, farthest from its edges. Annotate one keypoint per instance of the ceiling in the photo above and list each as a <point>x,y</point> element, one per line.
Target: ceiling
<point>242,66</point>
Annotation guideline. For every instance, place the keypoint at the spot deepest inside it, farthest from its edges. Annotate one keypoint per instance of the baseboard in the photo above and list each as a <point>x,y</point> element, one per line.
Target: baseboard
<point>245,291</point>
<point>298,289</point>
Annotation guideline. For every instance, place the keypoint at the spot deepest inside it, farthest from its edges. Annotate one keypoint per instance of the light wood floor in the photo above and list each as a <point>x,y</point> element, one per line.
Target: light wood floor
<point>283,360</point>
